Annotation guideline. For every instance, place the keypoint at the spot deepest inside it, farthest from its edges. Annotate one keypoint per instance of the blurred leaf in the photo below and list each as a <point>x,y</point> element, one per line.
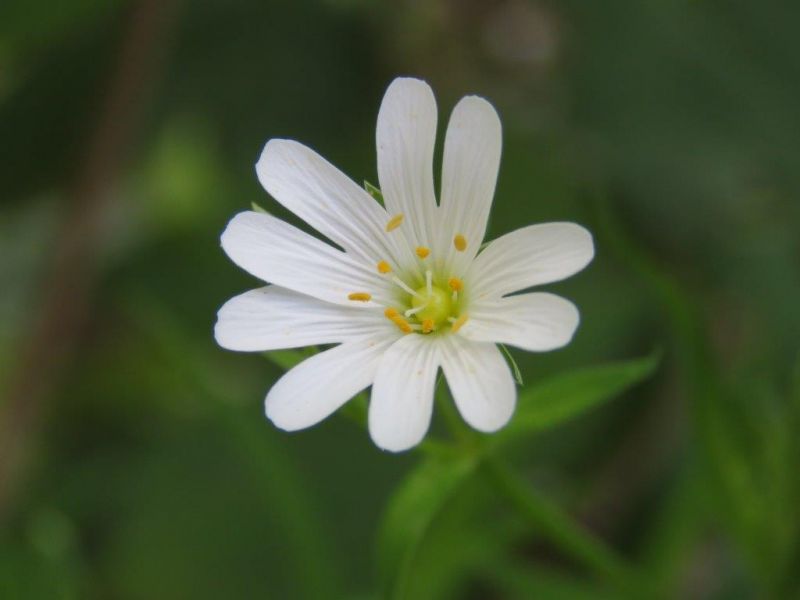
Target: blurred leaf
<point>524,581</point>
<point>289,358</point>
<point>356,409</point>
<point>417,503</point>
<point>565,396</point>
<point>25,574</point>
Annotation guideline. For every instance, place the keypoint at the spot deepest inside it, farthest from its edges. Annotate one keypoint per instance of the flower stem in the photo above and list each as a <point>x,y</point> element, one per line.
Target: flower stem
<point>555,525</point>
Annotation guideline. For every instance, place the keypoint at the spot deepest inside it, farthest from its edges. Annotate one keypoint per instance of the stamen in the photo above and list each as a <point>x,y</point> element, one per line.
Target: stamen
<point>412,311</point>
<point>458,323</point>
<point>359,297</point>
<point>394,222</point>
<point>455,284</point>
<point>427,326</point>
<point>429,282</point>
<point>422,251</point>
<point>405,288</point>
<point>402,324</point>
<point>460,242</point>
<point>394,316</point>
<point>383,267</point>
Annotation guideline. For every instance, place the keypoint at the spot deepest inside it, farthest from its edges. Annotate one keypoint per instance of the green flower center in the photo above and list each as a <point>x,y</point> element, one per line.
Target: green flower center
<point>437,305</point>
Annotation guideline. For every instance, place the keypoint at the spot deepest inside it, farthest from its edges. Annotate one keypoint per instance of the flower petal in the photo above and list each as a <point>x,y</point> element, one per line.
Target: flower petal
<point>326,199</point>
<point>480,382</point>
<point>469,172</point>
<point>530,256</point>
<point>319,385</point>
<point>535,322</point>
<point>273,317</point>
<point>402,395</point>
<point>278,253</point>
<point>405,137</point>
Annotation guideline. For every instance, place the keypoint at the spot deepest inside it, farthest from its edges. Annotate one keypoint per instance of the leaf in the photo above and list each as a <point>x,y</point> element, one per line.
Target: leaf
<point>525,580</point>
<point>373,191</point>
<point>513,364</point>
<point>410,514</point>
<point>567,395</point>
<point>286,359</point>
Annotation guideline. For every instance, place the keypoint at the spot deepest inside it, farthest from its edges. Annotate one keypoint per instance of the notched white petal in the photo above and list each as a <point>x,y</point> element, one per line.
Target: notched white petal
<point>530,256</point>
<point>279,253</point>
<point>273,317</point>
<point>320,385</point>
<point>402,396</point>
<point>324,197</point>
<point>405,138</point>
<point>472,151</point>
<point>537,322</point>
<point>480,381</point>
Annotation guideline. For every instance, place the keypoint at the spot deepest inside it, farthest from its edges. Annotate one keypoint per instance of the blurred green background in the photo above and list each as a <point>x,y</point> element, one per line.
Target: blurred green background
<point>135,461</point>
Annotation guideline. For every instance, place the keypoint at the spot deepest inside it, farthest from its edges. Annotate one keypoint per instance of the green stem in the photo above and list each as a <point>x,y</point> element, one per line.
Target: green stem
<point>555,525</point>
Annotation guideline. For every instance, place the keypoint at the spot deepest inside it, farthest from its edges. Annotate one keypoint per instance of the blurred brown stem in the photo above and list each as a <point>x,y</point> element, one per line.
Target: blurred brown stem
<point>66,289</point>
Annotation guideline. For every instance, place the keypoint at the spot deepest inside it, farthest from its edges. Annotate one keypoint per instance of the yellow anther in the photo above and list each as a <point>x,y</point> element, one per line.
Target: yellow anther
<point>460,242</point>
<point>383,267</point>
<point>422,251</point>
<point>359,297</point>
<point>390,313</point>
<point>427,326</point>
<point>458,323</point>
<point>455,284</point>
<point>402,324</point>
<point>394,222</point>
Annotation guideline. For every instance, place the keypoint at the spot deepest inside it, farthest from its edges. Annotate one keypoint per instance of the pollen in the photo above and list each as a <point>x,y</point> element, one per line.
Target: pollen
<point>458,323</point>
<point>460,242</point>
<point>422,251</point>
<point>455,284</point>
<point>383,267</point>
<point>394,222</point>
<point>395,317</point>
<point>427,326</point>
<point>359,297</point>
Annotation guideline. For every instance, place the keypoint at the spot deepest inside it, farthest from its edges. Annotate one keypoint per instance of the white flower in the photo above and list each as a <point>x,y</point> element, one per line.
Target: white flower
<point>407,290</point>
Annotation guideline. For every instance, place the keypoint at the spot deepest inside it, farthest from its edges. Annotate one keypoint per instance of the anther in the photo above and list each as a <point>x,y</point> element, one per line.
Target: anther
<point>402,324</point>
<point>422,251</point>
<point>427,326</point>
<point>455,284</point>
<point>394,222</point>
<point>458,323</point>
<point>390,313</point>
<point>460,242</point>
<point>359,297</point>
<point>383,267</point>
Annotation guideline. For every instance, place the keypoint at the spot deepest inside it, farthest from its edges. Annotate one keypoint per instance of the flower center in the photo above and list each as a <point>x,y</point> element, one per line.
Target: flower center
<point>433,308</point>
<point>434,304</point>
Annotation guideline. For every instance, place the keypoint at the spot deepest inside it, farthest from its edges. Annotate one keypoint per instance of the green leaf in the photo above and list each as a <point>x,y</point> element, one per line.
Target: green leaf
<point>415,506</point>
<point>513,364</point>
<point>373,191</point>
<point>565,396</point>
<point>286,359</point>
<point>526,580</point>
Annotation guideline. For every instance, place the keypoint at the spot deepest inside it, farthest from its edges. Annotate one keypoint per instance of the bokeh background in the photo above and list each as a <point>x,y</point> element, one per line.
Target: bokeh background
<point>135,461</point>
